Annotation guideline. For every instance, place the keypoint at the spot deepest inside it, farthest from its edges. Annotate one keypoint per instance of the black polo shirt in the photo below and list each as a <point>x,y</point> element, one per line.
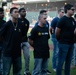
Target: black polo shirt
<point>40,36</point>
<point>1,23</point>
<point>12,39</point>
<point>25,23</point>
<point>67,26</point>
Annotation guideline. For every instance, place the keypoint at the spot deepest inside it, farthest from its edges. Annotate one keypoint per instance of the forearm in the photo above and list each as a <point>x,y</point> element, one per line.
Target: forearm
<point>51,30</point>
<point>30,42</point>
<point>57,36</point>
<point>57,33</point>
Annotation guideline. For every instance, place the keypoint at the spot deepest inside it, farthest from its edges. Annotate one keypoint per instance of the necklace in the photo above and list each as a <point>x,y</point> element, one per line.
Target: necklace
<point>15,26</point>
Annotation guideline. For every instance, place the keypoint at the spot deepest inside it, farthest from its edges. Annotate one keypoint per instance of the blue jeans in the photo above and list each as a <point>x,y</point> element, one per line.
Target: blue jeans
<point>55,53</point>
<point>40,66</point>
<point>1,61</point>
<point>26,47</point>
<point>74,56</point>
<point>64,55</point>
<point>8,61</point>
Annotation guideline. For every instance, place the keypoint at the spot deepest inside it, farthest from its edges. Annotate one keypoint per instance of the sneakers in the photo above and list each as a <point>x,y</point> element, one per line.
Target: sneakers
<point>27,73</point>
<point>73,67</point>
<point>54,70</point>
<point>48,72</point>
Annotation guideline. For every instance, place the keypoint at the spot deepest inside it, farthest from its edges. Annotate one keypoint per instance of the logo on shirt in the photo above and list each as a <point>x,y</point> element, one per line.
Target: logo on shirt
<point>45,33</point>
<point>22,21</point>
<point>25,24</point>
<point>19,30</point>
<point>39,33</point>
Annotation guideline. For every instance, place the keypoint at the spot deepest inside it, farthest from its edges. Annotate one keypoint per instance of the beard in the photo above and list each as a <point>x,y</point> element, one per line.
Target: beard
<point>23,16</point>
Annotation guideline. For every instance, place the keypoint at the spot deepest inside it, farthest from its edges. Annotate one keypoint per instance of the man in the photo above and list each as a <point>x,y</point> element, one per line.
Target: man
<point>44,12</point>
<point>12,32</point>
<point>1,41</point>
<point>65,36</point>
<point>39,40</point>
<point>53,38</point>
<point>73,64</point>
<point>25,44</point>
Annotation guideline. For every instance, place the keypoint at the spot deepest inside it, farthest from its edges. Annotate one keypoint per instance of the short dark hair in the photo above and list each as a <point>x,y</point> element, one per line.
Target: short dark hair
<point>21,9</point>
<point>59,10</point>
<point>67,7</point>
<point>1,10</point>
<point>42,11</point>
<point>11,10</point>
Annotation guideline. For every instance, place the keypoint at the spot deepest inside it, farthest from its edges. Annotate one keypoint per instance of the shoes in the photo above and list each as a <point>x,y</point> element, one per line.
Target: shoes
<point>54,70</point>
<point>73,67</point>
<point>28,73</point>
<point>48,72</point>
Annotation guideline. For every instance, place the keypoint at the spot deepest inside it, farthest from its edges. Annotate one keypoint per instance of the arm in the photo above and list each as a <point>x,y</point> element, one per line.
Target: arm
<point>57,33</point>
<point>32,37</point>
<point>59,26</point>
<point>51,30</point>
<point>75,31</point>
<point>3,29</point>
<point>53,25</point>
<point>30,42</point>
<point>27,27</point>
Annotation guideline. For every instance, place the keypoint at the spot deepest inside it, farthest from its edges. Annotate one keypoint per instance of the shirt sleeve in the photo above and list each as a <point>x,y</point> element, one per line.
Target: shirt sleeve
<point>33,34</point>
<point>3,29</point>
<point>27,26</point>
<point>53,23</point>
<point>60,23</point>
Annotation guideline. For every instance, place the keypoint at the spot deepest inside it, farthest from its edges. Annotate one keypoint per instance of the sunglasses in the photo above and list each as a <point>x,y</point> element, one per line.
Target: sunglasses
<point>62,12</point>
<point>23,11</point>
<point>72,9</point>
<point>44,18</point>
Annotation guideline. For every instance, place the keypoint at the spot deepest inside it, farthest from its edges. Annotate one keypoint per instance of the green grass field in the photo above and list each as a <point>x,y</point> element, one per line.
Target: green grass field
<point>73,71</point>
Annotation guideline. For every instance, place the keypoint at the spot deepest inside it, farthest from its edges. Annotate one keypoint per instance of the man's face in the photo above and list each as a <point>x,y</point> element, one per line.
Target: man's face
<point>71,11</point>
<point>43,19</point>
<point>45,13</point>
<point>15,13</point>
<point>61,13</point>
<point>1,15</point>
<point>23,13</point>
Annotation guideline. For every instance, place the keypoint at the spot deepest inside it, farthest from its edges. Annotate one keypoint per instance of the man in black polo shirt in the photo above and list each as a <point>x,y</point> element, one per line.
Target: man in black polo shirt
<point>53,38</point>
<point>39,40</point>
<point>12,32</point>
<point>65,36</point>
<point>44,12</point>
<point>1,41</point>
<point>25,45</point>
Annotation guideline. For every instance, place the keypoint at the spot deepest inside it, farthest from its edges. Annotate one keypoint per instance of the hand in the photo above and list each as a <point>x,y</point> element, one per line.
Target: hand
<point>75,31</point>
